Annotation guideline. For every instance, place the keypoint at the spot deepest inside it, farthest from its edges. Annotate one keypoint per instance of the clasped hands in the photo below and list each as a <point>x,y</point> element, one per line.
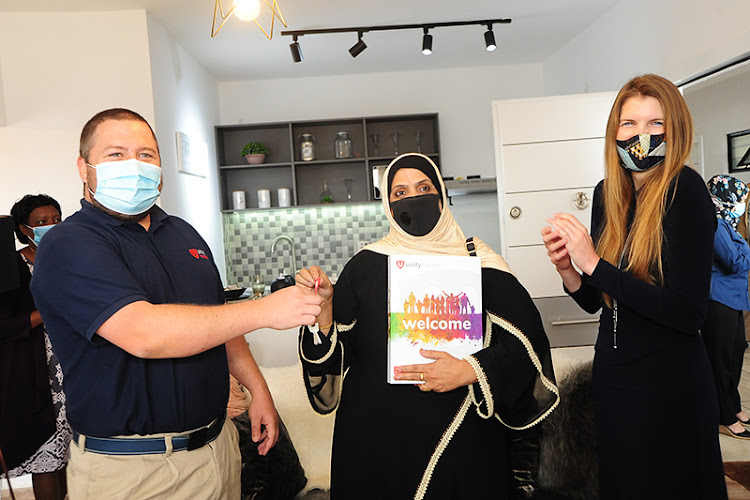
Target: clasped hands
<point>442,375</point>
<point>568,242</point>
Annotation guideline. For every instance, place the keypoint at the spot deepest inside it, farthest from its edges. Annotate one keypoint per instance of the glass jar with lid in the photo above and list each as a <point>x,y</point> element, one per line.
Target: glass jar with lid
<point>342,145</point>
<point>306,147</point>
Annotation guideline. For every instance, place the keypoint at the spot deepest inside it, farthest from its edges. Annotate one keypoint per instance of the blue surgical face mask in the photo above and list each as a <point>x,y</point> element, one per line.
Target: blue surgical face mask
<point>39,232</point>
<point>738,210</point>
<point>128,187</point>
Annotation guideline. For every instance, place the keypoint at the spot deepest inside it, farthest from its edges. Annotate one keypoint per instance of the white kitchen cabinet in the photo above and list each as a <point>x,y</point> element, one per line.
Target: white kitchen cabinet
<point>556,118</point>
<point>272,348</point>
<point>543,166</point>
<point>527,213</point>
<point>549,155</point>
<point>532,268</point>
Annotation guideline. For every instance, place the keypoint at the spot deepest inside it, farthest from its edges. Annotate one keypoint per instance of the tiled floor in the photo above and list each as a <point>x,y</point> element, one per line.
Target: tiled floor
<point>736,450</point>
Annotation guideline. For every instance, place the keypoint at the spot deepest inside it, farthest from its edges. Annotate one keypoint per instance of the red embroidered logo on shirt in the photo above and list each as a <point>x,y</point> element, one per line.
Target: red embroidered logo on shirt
<point>198,254</point>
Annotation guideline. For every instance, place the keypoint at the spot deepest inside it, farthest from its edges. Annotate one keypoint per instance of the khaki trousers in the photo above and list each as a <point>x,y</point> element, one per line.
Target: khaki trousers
<point>208,473</point>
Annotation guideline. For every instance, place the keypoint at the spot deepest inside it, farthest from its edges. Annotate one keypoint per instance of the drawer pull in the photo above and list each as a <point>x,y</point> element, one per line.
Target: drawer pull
<point>581,201</point>
<point>515,212</point>
<point>567,322</point>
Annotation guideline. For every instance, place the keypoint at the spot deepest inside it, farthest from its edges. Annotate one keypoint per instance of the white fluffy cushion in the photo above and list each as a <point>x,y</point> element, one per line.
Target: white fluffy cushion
<point>566,359</point>
<point>311,433</point>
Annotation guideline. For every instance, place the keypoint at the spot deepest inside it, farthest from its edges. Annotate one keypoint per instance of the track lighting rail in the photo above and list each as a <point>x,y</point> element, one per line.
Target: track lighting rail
<point>358,47</point>
<point>391,27</point>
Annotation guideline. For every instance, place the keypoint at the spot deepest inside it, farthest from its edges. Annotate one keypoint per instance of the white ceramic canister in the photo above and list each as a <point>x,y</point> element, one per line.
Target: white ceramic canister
<point>238,200</point>
<point>264,198</point>
<point>285,197</point>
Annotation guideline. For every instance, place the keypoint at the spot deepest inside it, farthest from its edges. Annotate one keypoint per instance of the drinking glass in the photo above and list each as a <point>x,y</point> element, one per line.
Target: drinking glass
<point>348,185</point>
<point>420,137</point>
<point>375,138</point>
<point>259,287</point>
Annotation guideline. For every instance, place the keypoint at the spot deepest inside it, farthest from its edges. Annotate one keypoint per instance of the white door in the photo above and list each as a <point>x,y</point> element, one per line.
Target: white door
<point>549,155</point>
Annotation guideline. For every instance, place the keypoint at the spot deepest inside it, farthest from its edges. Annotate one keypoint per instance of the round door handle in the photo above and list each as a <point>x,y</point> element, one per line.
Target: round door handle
<point>581,201</point>
<point>515,212</point>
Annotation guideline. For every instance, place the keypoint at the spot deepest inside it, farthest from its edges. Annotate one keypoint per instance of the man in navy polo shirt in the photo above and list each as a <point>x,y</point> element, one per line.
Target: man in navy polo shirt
<point>134,306</point>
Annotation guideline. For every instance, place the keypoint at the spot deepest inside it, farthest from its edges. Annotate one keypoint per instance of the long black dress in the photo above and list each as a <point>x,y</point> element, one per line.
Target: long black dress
<point>654,397</point>
<point>396,442</point>
<point>27,415</point>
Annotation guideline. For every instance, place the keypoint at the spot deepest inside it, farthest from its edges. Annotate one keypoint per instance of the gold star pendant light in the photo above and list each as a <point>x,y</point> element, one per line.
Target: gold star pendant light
<point>247,10</point>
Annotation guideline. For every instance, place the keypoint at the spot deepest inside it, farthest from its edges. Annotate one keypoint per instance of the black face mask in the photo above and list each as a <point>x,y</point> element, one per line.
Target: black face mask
<point>642,152</point>
<point>417,215</point>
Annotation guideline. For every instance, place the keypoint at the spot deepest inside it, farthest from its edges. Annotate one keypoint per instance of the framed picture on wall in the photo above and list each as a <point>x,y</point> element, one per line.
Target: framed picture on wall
<point>738,147</point>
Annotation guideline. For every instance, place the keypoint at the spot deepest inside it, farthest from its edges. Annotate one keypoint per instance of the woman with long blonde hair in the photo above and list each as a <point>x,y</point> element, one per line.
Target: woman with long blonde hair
<point>647,266</point>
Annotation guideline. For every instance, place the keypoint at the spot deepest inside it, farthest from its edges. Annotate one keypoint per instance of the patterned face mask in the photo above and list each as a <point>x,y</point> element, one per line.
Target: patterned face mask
<point>728,194</point>
<point>642,152</point>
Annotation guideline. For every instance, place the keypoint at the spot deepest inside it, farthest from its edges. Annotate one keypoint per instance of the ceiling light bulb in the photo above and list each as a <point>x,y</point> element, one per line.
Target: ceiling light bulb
<point>247,10</point>
<point>427,44</point>
<point>489,40</point>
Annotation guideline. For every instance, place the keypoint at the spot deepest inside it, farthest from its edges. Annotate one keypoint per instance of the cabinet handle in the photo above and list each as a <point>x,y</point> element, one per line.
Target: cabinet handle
<point>566,322</point>
<point>581,201</point>
<point>515,212</point>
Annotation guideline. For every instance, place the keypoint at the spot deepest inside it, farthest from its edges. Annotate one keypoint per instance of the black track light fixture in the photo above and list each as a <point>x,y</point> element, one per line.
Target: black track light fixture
<point>489,39</point>
<point>426,42</point>
<point>296,51</point>
<point>358,47</point>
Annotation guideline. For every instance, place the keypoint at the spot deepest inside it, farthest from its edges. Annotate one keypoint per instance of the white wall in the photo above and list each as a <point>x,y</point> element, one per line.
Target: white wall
<point>673,38</point>
<point>720,107</point>
<point>58,70</point>
<point>462,98</point>
<point>186,100</point>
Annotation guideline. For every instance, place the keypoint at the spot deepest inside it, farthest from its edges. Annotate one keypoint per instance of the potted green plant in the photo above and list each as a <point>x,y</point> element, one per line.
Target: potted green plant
<point>255,153</point>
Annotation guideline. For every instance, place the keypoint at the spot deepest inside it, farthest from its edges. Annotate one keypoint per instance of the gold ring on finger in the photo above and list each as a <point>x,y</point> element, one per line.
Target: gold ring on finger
<point>421,376</point>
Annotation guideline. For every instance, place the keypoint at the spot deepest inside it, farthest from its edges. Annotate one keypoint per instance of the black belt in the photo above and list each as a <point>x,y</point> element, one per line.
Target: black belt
<point>152,445</point>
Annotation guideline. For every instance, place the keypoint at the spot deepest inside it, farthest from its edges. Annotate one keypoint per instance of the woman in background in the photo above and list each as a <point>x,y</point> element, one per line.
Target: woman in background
<point>648,268</point>
<point>461,433</point>
<point>34,433</point>
<point>724,329</point>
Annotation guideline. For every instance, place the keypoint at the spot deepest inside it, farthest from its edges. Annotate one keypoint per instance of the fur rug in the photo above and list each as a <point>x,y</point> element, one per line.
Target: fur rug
<point>276,476</point>
<point>311,433</point>
<point>568,458</point>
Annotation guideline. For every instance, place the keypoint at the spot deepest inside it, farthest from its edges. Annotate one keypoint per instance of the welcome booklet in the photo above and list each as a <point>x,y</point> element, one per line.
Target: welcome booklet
<point>434,302</point>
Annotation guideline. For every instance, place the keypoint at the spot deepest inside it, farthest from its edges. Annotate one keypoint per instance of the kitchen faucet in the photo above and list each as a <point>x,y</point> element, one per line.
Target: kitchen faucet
<point>291,243</point>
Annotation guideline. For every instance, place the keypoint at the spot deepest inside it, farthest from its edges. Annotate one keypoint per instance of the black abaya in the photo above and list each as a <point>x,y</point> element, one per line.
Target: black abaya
<point>395,441</point>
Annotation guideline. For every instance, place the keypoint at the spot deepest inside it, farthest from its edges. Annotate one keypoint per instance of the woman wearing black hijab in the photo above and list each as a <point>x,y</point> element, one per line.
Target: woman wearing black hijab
<point>449,438</point>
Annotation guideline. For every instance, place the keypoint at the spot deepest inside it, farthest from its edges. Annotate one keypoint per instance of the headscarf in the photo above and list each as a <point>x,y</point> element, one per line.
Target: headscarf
<point>726,193</point>
<point>446,238</point>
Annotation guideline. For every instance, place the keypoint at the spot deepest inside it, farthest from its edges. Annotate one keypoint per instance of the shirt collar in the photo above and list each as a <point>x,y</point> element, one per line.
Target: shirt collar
<point>158,216</point>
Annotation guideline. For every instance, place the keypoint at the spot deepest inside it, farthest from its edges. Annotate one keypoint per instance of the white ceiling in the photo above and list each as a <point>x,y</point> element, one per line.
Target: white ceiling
<point>241,51</point>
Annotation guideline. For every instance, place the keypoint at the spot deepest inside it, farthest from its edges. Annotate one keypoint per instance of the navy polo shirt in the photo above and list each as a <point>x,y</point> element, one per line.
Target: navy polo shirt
<point>86,269</point>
